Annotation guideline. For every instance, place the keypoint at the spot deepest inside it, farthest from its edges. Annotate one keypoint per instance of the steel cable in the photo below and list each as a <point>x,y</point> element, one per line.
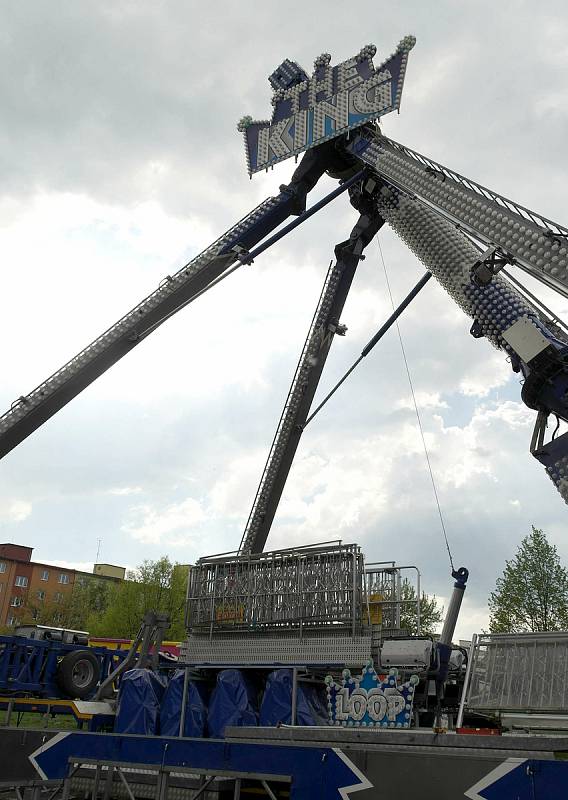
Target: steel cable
<point>420,428</point>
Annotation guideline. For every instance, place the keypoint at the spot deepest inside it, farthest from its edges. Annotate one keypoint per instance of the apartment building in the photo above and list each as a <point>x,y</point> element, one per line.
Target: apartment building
<point>24,582</point>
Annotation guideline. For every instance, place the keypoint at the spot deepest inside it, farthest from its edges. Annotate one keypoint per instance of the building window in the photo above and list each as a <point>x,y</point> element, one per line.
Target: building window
<point>64,578</point>
<point>41,595</point>
<point>12,619</point>
<point>21,580</point>
<point>45,575</point>
<point>2,566</point>
<point>17,601</point>
<point>58,597</point>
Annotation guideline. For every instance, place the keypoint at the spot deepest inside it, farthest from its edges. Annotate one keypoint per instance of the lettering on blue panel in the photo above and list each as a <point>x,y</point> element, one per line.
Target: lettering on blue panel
<point>311,110</point>
<point>370,700</point>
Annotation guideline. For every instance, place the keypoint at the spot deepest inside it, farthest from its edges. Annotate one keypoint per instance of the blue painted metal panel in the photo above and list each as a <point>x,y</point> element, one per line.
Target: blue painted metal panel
<point>523,779</point>
<point>318,773</point>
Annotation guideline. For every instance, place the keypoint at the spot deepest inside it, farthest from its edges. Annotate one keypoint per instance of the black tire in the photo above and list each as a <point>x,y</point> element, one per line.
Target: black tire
<point>78,673</point>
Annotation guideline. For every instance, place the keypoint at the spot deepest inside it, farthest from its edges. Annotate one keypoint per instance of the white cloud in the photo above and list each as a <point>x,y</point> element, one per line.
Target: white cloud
<point>101,200</point>
<point>229,496</point>
<point>81,566</point>
<point>423,400</point>
<point>16,511</point>
<point>484,376</point>
<point>473,618</point>
<point>156,525</point>
<point>470,450</point>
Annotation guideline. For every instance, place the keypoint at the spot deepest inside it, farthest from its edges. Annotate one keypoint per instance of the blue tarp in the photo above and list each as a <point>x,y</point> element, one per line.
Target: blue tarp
<point>195,711</point>
<point>276,705</point>
<point>139,697</point>
<point>233,702</point>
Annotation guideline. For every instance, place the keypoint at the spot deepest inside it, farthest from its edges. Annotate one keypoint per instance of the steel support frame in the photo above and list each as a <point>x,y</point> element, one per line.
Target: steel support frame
<point>325,324</point>
<point>104,772</point>
<point>33,790</point>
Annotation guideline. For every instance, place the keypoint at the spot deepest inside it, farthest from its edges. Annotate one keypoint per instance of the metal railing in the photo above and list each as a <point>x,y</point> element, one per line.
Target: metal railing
<point>517,672</point>
<point>314,589</point>
<point>435,168</point>
<point>384,594</point>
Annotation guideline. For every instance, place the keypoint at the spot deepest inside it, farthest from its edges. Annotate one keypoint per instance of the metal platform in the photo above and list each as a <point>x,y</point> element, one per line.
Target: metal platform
<point>351,651</point>
<point>300,606</point>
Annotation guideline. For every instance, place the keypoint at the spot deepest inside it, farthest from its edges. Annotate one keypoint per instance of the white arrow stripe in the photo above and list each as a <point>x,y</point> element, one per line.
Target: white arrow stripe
<point>42,749</point>
<point>492,777</point>
<point>364,782</point>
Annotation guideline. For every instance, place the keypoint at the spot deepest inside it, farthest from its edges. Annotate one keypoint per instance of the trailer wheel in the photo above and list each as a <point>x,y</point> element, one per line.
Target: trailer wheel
<point>78,673</point>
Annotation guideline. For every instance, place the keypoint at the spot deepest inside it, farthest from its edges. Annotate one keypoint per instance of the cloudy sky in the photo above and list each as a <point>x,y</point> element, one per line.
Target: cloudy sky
<point>120,160</point>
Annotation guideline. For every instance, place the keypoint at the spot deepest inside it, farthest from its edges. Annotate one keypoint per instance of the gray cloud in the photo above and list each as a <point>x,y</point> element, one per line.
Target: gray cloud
<point>123,103</point>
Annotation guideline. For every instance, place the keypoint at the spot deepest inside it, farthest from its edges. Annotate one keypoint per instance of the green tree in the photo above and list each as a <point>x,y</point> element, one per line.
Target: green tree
<point>45,612</point>
<point>431,614</point>
<point>77,609</point>
<point>532,593</point>
<point>153,586</point>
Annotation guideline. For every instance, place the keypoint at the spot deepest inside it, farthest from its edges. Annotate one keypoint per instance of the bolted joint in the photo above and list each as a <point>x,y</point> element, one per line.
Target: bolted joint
<point>491,262</point>
<point>476,330</point>
<point>460,576</point>
<point>338,328</point>
<point>481,273</point>
<point>243,254</point>
<point>298,192</point>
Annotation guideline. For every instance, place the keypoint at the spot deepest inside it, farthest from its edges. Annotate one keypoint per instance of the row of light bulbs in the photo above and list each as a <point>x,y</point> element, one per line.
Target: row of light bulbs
<point>130,320</point>
<point>518,236</point>
<point>449,256</point>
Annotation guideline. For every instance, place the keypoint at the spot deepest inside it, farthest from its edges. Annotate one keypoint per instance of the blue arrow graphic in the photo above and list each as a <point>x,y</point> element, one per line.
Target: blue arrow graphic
<point>316,772</point>
<point>522,779</point>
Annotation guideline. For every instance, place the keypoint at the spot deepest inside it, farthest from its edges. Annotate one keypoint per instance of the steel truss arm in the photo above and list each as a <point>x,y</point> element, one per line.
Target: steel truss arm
<point>523,237</point>
<point>510,321</point>
<point>174,293</point>
<point>324,326</point>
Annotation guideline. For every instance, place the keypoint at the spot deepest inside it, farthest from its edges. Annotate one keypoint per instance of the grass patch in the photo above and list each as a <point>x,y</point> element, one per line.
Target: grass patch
<point>35,719</point>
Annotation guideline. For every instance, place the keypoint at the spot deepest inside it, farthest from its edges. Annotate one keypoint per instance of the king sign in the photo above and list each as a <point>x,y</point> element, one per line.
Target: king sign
<point>309,111</point>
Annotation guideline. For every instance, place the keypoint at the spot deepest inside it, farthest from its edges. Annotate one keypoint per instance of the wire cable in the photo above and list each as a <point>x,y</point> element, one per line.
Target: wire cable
<point>420,428</point>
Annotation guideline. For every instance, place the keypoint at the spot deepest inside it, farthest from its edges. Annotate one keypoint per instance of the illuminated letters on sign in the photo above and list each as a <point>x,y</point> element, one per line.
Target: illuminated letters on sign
<point>332,101</point>
<point>371,700</point>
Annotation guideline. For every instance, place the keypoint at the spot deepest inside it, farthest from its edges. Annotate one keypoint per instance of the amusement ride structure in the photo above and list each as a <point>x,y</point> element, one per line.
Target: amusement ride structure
<point>320,609</point>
